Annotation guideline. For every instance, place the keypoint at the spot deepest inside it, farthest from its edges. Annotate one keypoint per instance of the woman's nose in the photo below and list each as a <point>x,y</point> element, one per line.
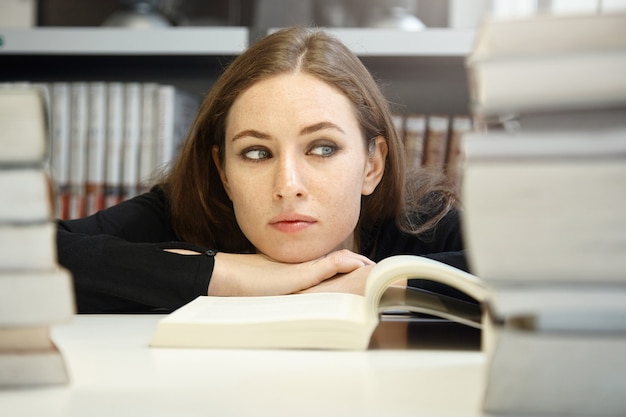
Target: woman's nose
<point>289,181</point>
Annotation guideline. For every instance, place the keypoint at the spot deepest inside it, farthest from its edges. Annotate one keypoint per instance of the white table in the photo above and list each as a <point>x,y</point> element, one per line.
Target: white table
<point>115,373</point>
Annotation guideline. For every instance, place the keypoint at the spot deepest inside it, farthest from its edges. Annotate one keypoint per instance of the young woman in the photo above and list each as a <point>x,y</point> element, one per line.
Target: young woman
<point>291,179</point>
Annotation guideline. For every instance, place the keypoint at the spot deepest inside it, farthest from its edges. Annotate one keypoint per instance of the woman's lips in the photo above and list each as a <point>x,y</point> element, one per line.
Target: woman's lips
<point>291,223</point>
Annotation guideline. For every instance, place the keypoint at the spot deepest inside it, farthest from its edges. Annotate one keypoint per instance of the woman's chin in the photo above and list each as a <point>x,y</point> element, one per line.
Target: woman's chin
<point>296,256</point>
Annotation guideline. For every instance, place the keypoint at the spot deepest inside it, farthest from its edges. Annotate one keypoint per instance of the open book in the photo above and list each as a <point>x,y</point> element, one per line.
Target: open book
<point>319,320</point>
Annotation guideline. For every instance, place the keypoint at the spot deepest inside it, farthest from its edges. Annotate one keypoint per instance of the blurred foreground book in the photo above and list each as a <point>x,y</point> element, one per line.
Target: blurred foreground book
<point>35,292</point>
<point>544,189</point>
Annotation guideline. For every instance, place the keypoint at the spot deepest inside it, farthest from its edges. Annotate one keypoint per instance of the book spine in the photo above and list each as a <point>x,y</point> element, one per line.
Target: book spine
<point>186,106</point>
<point>96,147</point>
<point>147,157</point>
<point>414,140</point>
<point>455,157</point>
<point>114,143</point>
<point>176,111</point>
<point>165,125</point>
<point>78,149</point>
<point>436,142</point>
<point>132,114</point>
<point>60,110</point>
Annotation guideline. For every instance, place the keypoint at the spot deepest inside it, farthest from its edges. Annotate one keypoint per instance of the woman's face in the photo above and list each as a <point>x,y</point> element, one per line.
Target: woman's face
<point>295,167</point>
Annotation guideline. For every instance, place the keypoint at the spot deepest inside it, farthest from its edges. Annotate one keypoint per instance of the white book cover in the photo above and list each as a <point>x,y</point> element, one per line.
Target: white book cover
<point>23,126</point>
<point>28,246</point>
<point>33,368</point>
<point>27,196</point>
<point>36,297</point>
<point>548,63</point>
<point>546,207</point>
<point>545,35</point>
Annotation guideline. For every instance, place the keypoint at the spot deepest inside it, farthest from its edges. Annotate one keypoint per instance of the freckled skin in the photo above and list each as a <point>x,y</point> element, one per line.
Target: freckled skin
<point>296,167</point>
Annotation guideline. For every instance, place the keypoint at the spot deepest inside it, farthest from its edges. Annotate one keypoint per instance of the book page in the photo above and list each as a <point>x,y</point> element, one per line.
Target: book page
<point>400,267</point>
<point>426,302</point>
<point>272,308</point>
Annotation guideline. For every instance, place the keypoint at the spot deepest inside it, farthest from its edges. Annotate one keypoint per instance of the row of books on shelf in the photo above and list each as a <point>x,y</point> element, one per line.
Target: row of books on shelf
<point>108,139</point>
<point>35,292</point>
<point>434,141</point>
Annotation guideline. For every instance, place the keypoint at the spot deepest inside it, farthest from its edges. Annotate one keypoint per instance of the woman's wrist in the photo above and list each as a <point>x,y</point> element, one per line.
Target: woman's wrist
<point>221,284</point>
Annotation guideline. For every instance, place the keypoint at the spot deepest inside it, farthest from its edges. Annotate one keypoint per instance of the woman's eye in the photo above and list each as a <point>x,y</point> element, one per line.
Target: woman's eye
<point>324,150</point>
<point>256,154</point>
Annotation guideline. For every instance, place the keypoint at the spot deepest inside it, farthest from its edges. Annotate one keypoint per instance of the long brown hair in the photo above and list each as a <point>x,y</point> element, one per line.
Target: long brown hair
<point>201,211</point>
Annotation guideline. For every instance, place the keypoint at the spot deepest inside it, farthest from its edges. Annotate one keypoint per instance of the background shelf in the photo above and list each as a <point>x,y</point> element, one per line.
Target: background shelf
<point>396,43</point>
<point>419,71</point>
<point>118,41</point>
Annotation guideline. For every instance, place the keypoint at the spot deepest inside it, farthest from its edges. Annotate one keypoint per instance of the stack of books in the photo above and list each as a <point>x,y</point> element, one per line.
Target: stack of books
<point>544,189</point>
<point>528,72</point>
<point>35,293</point>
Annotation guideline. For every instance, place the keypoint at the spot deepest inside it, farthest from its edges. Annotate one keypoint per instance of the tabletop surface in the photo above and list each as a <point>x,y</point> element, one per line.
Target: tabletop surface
<point>114,372</point>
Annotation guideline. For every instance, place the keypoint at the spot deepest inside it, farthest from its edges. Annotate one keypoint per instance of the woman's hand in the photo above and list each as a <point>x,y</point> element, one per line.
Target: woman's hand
<point>352,282</point>
<point>249,275</point>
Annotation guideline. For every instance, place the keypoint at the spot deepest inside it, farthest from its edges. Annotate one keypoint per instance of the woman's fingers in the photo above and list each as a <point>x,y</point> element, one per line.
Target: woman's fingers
<point>248,275</point>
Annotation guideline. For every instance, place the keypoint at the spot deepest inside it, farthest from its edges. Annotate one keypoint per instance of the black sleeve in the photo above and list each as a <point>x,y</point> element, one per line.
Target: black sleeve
<point>118,260</point>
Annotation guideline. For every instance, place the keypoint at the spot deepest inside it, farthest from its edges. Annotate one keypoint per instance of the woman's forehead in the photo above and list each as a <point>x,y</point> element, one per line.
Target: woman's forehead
<point>294,97</point>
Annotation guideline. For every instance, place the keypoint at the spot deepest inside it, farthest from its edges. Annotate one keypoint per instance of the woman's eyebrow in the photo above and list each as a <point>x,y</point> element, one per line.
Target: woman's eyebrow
<point>305,131</point>
<point>250,133</point>
<point>320,126</point>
